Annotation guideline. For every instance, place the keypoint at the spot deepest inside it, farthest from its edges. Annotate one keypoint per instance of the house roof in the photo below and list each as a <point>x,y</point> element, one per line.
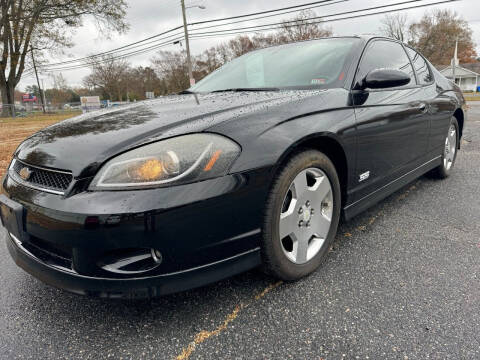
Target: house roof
<point>475,67</point>
<point>472,68</point>
<point>441,67</point>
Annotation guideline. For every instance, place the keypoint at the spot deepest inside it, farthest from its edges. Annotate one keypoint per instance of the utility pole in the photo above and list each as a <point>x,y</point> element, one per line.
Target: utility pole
<point>44,100</point>
<point>187,43</point>
<point>38,81</point>
<point>454,63</point>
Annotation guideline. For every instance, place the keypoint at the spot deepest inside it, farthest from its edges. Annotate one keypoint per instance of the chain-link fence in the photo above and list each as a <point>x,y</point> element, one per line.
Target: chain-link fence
<point>28,110</point>
<point>33,109</point>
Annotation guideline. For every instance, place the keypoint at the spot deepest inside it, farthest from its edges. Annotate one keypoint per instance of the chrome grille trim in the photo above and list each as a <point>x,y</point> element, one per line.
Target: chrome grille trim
<point>57,190</point>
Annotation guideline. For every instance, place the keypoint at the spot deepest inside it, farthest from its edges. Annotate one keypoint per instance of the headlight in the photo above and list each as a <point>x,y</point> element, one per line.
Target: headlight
<point>175,161</point>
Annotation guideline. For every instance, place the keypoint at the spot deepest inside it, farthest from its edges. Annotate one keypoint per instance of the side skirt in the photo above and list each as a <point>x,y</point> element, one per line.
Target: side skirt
<point>371,199</point>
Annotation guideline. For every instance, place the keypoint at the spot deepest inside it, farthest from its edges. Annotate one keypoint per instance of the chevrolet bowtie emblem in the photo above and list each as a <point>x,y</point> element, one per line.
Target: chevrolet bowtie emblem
<point>25,173</point>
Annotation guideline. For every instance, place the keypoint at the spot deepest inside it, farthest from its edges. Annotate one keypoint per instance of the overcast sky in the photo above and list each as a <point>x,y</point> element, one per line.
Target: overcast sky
<point>148,17</point>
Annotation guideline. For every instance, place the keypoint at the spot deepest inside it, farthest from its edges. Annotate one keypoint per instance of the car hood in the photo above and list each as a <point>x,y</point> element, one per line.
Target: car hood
<point>83,143</point>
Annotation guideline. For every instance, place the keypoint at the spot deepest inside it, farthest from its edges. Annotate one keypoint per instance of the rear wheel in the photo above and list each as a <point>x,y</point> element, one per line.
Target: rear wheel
<point>449,152</point>
<point>302,215</point>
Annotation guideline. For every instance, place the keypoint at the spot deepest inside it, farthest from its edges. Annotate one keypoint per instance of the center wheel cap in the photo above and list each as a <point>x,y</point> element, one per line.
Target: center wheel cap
<point>306,214</point>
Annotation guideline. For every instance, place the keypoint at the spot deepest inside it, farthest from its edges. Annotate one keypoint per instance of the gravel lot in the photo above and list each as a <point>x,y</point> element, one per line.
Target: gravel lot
<point>402,281</point>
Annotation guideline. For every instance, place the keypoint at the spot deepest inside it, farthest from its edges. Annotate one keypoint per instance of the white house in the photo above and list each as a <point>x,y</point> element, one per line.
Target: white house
<point>468,79</point>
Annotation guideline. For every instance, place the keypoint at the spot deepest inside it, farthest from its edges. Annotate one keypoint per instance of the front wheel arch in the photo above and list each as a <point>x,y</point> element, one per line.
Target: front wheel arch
<point>328,145</point>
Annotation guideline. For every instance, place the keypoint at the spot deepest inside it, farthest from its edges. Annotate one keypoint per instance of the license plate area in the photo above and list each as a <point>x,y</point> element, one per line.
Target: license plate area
<point>11,214</point>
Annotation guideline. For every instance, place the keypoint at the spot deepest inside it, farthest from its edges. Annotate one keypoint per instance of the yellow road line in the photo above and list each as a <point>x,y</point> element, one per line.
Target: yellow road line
<point>205,335</point>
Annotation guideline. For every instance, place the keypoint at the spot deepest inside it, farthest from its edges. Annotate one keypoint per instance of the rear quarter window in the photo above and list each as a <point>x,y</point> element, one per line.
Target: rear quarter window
<point>422,69</point>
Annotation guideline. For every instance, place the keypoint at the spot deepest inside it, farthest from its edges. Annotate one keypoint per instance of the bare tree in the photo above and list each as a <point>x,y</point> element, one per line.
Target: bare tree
<point>109,75</point>
<point>60,93</point>
<point>46,24</point>
<point>143,79</point>
<point>59,81</point>
<point>395,26</point>
<point>301,28</point>
<point>172,68</point>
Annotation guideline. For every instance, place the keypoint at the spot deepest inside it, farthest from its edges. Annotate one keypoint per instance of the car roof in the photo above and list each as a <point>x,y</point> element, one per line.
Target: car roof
<point>365,37</point>
<point>368,37</point>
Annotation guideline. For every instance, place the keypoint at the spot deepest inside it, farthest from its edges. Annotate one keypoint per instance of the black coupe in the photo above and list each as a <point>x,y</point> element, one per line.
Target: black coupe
<point>254,165</point>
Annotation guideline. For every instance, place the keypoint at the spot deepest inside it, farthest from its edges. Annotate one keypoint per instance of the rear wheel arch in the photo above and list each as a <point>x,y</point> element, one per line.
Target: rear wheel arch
<point>460,116</point>
<point>326,144</point>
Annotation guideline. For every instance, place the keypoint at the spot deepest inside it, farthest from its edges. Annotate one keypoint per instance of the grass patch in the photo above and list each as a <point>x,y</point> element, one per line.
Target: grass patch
<point>41,117</point>
<point>14,130</point>
<point>472,98</point>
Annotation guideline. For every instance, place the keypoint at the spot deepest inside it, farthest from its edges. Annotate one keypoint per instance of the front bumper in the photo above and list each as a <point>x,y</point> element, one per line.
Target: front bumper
<point>204,231</point>
<point>133,288</point>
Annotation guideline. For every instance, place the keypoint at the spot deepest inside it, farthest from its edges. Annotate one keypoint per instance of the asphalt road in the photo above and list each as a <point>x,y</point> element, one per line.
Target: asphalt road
<point>402,281</point>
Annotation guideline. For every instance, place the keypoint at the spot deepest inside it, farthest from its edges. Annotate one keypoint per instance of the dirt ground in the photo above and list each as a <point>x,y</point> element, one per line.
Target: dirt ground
<point>14,131</point>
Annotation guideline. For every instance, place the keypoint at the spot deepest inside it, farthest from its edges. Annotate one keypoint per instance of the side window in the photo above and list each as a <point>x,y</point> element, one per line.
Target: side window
<point>421,67</point>
<point>385,55</point>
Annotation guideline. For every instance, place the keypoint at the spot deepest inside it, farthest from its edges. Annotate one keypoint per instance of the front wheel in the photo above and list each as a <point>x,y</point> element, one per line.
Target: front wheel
<point>302,215</point>
<point>449,152</point>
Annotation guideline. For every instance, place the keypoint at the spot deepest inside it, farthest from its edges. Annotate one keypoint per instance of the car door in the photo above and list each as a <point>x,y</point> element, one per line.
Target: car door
<point>392,124</point>
<point>440,104</point>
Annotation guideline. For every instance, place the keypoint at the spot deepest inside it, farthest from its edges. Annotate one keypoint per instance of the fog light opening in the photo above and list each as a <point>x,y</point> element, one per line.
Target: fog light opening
<point>157,256</point>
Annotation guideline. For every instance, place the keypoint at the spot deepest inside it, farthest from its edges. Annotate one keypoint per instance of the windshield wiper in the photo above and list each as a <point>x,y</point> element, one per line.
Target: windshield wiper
<point>246,89</point>
<point>185,92</point>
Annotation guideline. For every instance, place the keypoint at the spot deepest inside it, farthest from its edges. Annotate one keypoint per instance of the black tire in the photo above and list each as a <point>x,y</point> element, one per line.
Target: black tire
<point>441,172</point>
<point>275,261</point>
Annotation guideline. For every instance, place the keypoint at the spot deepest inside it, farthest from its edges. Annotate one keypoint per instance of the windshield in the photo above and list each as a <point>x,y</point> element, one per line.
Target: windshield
<point>303,65</point>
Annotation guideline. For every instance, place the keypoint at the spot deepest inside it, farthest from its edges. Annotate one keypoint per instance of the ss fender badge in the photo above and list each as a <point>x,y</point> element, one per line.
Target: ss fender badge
<point>364,176</point>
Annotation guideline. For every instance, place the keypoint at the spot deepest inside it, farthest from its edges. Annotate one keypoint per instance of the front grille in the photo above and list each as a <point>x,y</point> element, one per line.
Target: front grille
<point>43,179</point>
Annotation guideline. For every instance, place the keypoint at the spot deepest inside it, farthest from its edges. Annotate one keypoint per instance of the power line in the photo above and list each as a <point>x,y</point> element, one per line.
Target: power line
<point>272,15</point>
<point>143,43</point>
<point>230,32</point>
<point>284,23</point>
<point>258,13</point>
<point>259,28</point>
<point>89,59</point>
<point>180,27</point>
<point>117,49</point>
<point>120,57</point>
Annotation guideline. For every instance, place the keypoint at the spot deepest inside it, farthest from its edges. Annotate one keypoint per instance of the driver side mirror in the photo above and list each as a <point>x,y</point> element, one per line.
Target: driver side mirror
<point>384,79</point>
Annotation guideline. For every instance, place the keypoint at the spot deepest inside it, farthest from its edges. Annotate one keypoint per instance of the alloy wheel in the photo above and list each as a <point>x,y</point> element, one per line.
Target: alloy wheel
<point>450,148</point>
<point>306,215</point>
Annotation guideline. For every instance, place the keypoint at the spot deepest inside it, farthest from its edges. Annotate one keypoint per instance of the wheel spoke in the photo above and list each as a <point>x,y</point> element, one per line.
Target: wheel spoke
<point>320,226</point>
<point>451,155</point>
<point>288,224</point>
<point>299,185</point>
<point>452,135</point>
<point>321,188</point>
<point>301,250</point>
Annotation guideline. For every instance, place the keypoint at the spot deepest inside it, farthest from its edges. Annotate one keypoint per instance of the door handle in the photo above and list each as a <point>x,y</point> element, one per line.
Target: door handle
<point>423,107</point>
